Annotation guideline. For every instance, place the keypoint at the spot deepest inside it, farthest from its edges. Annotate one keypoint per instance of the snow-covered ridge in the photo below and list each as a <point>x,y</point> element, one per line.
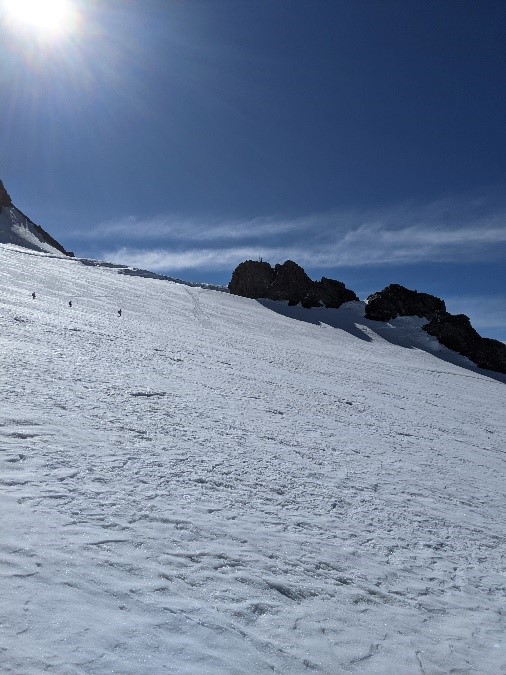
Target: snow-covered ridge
<point>19,230</point>
<point>214,485</point>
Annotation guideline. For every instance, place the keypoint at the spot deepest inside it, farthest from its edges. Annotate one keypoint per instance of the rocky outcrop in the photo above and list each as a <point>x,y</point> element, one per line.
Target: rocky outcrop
<point>290,283</point>
<point>251,279</point>
<point>333,293</point>
<point>396,300</point>
<point>287,282</point>
<point>5,199</point>
<point>456,332</point>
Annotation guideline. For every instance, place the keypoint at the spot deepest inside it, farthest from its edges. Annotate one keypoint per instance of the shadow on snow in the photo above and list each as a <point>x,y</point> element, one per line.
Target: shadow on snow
<point>404,332</point>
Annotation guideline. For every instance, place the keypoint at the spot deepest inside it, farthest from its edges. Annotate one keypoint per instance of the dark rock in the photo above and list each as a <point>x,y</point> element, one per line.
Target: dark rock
<point>456,332</point>
<point>334,293</point>
<point>290,283</point>
<point>5,199</point>
<point>287,282</point>
<point>251,279</point>
<point>396,300</point>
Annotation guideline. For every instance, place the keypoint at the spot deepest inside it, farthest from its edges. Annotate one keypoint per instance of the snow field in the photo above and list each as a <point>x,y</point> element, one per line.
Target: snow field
<point>210,484</point>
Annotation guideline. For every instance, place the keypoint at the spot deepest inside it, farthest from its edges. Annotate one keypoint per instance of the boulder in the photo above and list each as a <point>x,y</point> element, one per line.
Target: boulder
<point>456,332</point>
<point>287,282</point>
<point>396,300</point>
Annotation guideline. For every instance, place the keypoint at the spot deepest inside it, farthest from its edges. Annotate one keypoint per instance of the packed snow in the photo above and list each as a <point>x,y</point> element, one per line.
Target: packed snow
<point>208,484</point>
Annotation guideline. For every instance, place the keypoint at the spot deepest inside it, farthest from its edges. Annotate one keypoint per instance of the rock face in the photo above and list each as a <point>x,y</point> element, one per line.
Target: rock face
<point>5,199</point>
<point>289,282</point>
<point>396,300</point>
<point>251,279</point>
<point>456,332</point>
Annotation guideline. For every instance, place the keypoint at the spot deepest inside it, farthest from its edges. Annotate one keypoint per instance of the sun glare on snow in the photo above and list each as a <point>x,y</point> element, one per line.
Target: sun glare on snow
<point>48,19</point>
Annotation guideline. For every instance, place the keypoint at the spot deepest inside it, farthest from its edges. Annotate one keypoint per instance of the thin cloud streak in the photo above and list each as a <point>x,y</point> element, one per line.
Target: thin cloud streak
<point>358,255</point>
<point>438,222</point>
<point>443,231</point>
<point>187,229</point>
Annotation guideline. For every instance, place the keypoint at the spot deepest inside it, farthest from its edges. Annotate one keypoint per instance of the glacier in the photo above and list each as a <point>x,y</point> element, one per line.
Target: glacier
<point>210,484</point>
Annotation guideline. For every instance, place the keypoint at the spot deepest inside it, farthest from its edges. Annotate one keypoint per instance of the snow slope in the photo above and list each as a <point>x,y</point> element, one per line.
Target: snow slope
<point>17,229</point>
<point>210,484</point>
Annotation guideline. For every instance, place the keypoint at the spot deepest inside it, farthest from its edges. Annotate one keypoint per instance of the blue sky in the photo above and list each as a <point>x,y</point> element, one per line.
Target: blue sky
<point>363,139</point>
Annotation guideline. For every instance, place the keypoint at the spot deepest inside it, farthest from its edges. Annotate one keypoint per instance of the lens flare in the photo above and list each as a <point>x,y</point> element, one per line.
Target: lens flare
<point>47,19</point>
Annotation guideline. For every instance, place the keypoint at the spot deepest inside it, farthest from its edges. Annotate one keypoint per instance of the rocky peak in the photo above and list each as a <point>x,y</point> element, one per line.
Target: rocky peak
<point>454,331</point>
<point>396,300</point>
<point>5,199</point>
<point>287,282</point>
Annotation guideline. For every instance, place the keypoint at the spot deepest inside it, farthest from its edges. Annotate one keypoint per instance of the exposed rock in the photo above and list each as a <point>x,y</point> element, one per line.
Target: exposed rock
<point>456,332</point>
<point>251,279</point>
<point>334,293</point>
<point>288,282</point>
<point>5,199</point>
<point>396,300</point>
<point>452,330</point>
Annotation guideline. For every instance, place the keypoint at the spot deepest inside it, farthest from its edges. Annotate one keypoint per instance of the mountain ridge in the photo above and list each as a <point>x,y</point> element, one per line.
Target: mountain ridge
<point>289,282</point>
<point>18,229</point>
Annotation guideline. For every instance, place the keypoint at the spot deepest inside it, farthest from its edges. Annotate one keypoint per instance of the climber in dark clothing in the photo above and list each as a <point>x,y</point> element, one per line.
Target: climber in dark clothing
<point>119,312</point>
<point>33,295</point>
<point>70,303</point>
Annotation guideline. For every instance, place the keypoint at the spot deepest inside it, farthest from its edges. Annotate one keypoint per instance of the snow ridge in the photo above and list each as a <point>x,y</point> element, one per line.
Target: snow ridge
<point>19,230</point>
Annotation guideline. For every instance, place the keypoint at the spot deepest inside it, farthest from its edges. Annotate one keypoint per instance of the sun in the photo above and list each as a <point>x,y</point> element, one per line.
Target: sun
<point>47,19</point>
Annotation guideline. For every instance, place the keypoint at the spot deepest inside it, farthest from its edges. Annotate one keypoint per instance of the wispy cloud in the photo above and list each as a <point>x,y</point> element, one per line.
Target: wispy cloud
<point>443,231</point>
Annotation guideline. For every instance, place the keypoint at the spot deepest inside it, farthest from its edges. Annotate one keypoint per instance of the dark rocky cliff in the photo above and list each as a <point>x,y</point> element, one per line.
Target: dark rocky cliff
<point>289,282</point>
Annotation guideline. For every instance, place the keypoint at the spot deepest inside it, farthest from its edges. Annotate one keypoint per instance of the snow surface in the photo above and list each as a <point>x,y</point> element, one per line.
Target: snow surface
<point>17,229</point>
<point>210,484</point>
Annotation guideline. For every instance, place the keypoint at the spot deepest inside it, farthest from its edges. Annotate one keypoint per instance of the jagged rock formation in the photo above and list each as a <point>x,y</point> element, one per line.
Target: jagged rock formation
<point>396,300</point>
<point>5,199</point>
<point>16,228</point>
<point>290,283</point>
<point>252,279</point>
<point>456,332</point>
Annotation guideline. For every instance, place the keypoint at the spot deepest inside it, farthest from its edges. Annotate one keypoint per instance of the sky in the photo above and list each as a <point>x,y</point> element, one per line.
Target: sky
<point>365,140</point>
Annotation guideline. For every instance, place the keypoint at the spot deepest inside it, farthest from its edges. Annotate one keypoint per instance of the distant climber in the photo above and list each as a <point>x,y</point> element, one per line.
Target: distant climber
<point>119,312</point>
<point>70,303</point>
<point>33,295</point>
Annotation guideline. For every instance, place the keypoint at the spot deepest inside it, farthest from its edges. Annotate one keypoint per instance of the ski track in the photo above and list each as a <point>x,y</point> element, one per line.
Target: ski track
<point>207,486</point>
